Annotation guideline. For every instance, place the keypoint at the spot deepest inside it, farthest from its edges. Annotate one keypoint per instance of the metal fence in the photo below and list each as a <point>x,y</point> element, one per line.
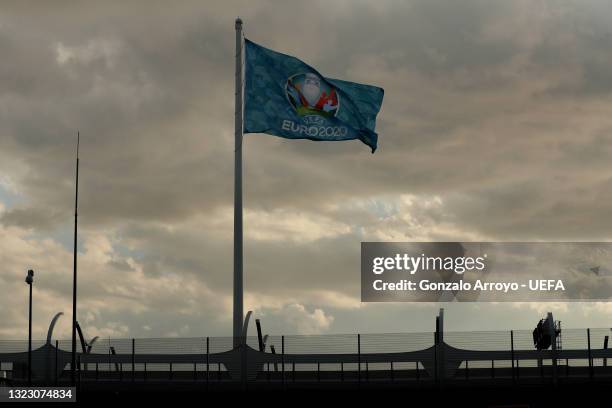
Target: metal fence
<point>390,358</point>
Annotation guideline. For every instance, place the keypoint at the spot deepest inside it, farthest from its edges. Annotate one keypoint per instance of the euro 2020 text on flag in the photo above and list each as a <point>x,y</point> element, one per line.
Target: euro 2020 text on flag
<point>286,97</point>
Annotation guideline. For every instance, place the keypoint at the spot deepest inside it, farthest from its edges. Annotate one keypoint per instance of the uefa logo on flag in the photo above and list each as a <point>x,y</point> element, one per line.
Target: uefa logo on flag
<point>310,95</point>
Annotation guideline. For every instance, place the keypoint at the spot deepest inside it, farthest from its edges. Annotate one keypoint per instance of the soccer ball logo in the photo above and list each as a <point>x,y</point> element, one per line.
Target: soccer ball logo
<point>310,95</point>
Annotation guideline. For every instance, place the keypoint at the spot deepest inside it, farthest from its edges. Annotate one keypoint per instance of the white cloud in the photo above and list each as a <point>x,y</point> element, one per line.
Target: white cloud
<point>297,318</point>
<point>104,288</point>
<point>96,49</point>
<point>299,226</point>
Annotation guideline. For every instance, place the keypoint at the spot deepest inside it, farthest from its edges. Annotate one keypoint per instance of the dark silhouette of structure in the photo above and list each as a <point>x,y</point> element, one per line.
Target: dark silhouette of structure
<point>74,274</point>
<point>417,360</point>
<point>30,281</point>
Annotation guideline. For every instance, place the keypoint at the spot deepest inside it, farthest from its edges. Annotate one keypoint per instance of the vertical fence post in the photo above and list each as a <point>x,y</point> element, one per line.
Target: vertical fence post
<point>512,354</point>
<point>109,356</point>
<point>605,360</point>
<point>245,365</point>
<point>207,361</point>
<point>436,356</point>
<point>541,362</point>
<point>392,374</point>
<point>342,371</point>
<point>590,356</point>
<point>418,374</point>
<point>283,360</point>
<point>467,370</point>
<point>293,369</point>
<point>133,359</point>
<point>79,367</point>
<point>56,358</point>
<point>553,349</point>
<point>358,359</point>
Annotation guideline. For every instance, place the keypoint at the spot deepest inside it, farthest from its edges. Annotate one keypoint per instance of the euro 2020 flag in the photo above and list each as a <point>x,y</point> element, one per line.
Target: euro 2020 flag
<point>288,98</point>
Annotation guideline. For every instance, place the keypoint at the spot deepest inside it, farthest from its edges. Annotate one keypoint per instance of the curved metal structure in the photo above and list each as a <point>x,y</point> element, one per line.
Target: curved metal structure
<point>91,343</point>
<point>81,338</point>
<point>245,327</point>
<point>52,326</point>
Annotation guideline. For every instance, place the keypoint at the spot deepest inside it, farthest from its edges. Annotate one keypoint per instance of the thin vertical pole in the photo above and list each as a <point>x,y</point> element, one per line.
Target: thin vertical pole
<point>590,357</point>
<point>283,359</point>
<point>56,358</point>
<point>512,353</point>
<point>74,273</point>
<point>605,360</point>
<point>207,361</point>
<point>436,354</point>
<point>30,338</point>
<point>359,359</point>
<point>541,362</point>
<point>133,358</point>
<point>553,348</point>
<point>79,378</point>
<point>238,294</point>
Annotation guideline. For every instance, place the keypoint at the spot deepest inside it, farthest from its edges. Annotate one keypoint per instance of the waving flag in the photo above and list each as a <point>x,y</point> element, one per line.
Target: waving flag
<point>286,97</point>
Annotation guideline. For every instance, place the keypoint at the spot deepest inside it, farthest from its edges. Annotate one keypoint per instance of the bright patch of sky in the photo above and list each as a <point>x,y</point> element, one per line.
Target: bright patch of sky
<point>8,195</point>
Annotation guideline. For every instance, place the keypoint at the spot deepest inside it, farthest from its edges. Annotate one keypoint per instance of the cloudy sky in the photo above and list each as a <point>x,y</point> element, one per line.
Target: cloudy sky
<point>496,126</point>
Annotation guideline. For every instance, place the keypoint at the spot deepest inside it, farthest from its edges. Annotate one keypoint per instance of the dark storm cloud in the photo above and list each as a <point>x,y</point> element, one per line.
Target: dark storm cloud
<point>495,125</point>
<point>153,101</point>
<point>578,39</point>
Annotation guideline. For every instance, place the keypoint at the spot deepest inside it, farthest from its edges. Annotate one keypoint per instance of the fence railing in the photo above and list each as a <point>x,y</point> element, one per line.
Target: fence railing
<point>391,358</point>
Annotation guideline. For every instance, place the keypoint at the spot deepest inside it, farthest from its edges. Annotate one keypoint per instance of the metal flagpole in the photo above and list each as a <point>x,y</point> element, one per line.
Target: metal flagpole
<point>238,284</point>
<point>74,276</point>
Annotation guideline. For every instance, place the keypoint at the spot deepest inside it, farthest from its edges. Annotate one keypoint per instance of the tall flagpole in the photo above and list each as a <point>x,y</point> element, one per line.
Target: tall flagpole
<point>238,283</point>
<point>74,276</point>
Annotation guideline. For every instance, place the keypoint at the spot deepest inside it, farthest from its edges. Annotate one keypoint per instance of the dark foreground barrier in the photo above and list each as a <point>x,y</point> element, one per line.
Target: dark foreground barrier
<point>392,360</point>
